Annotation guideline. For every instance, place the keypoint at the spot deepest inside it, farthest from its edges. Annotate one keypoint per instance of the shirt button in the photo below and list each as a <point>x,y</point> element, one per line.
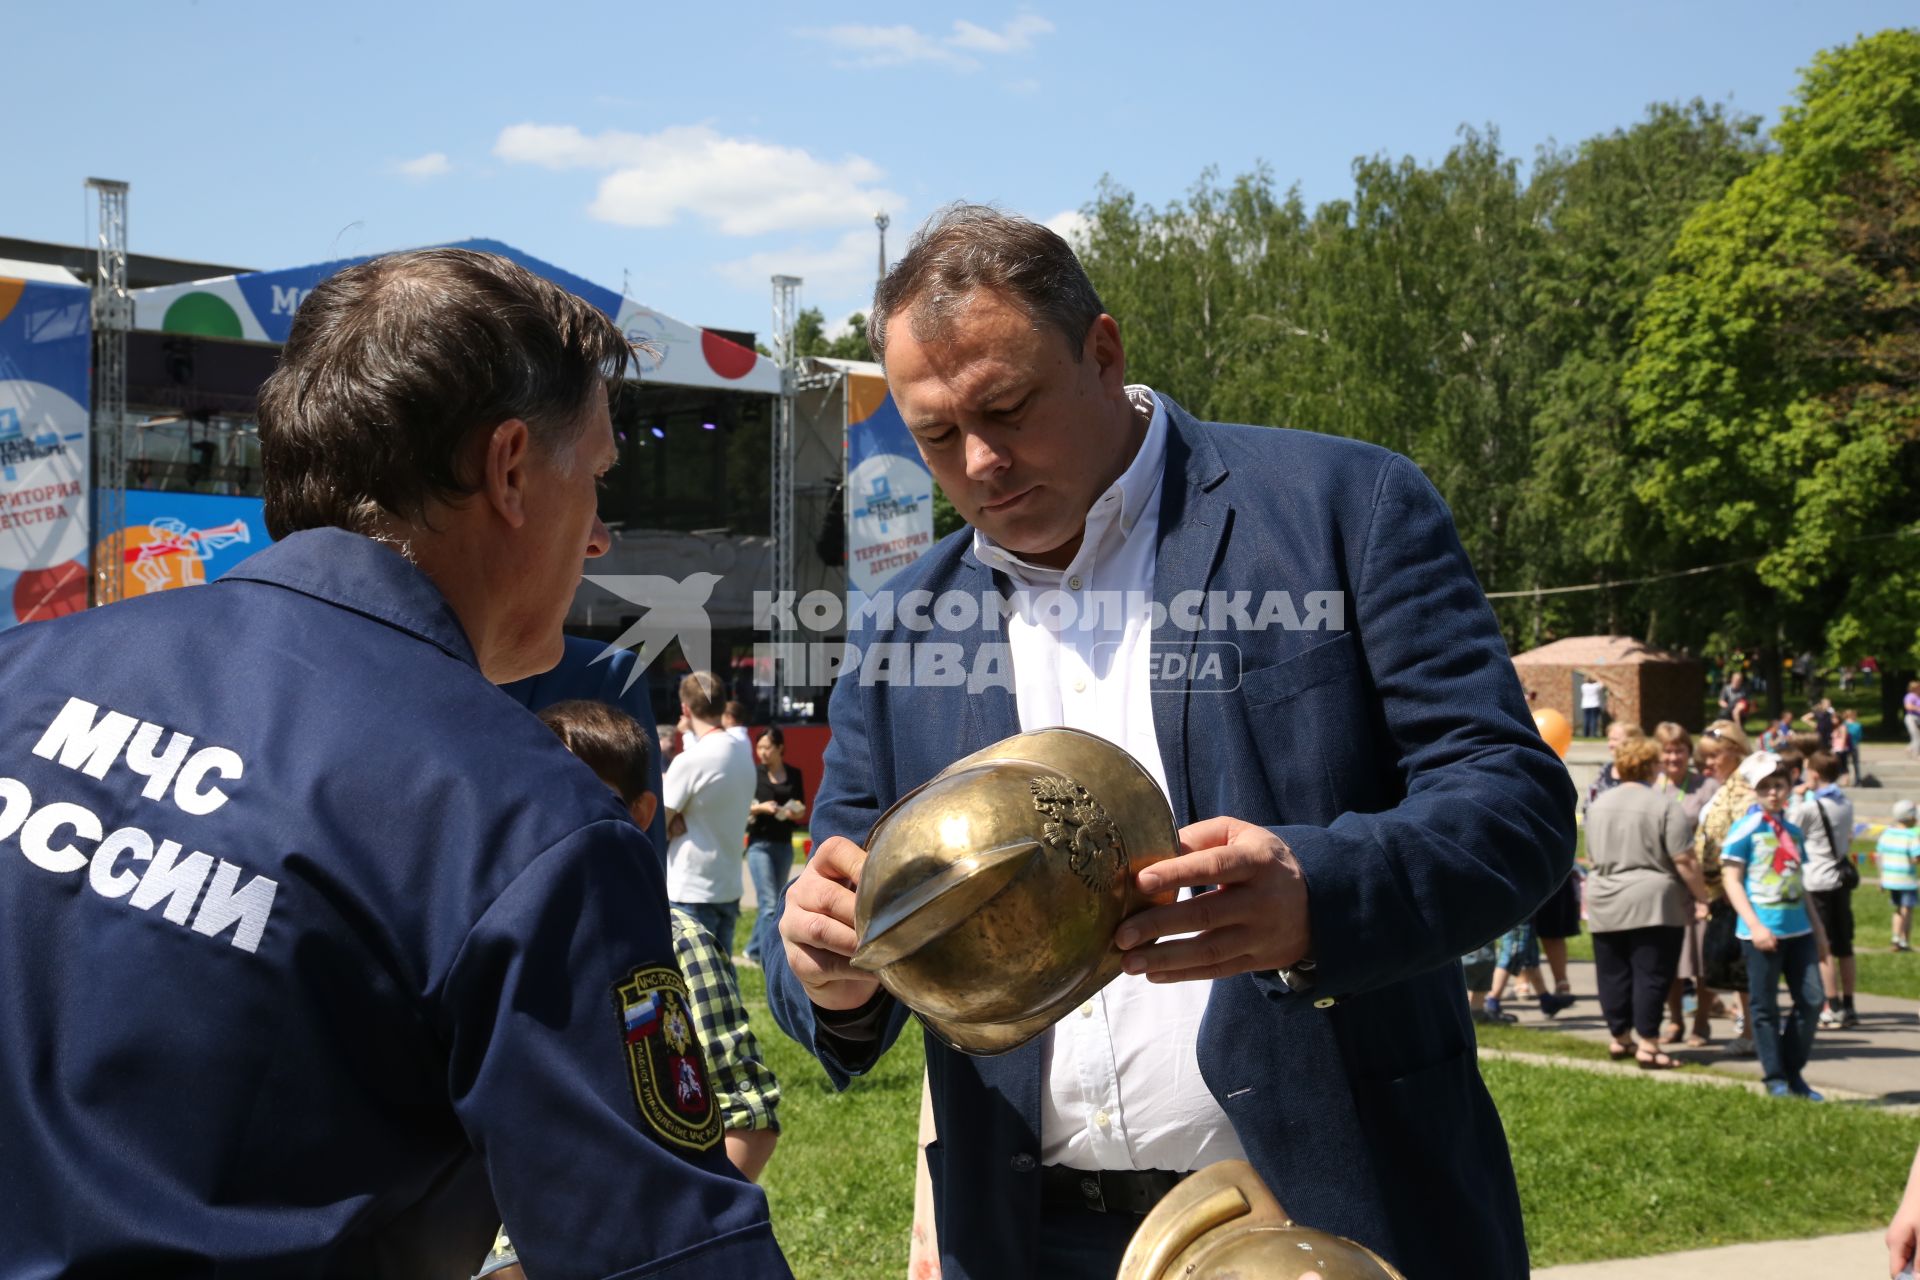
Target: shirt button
<point>1324,1002</point>
<point>1073,583</point>
<point>1023,1163</point>
<point>1080,686</point>
<point>1086,1010</point>
<point>1101,1118</point>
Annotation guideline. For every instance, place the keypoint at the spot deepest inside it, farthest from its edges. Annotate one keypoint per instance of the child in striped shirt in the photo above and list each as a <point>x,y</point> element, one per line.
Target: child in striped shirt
<point>1898,848</point>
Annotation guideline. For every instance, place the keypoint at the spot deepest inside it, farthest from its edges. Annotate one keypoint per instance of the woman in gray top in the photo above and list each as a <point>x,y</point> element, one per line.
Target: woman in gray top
<point>1639,845</point>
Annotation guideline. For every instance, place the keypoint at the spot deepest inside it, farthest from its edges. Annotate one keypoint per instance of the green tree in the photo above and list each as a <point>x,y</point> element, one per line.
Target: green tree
<point>1775,387</point>
<point>1612,208</point>
<point>1397,316</point>
<point>810,337</point>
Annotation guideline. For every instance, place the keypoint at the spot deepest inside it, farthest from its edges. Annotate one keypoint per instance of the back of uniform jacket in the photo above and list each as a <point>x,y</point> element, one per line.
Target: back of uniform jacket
<point>322,956</point>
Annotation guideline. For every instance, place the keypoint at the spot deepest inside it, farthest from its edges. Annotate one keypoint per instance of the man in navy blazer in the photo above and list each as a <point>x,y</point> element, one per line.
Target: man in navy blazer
<point>1363,796</point>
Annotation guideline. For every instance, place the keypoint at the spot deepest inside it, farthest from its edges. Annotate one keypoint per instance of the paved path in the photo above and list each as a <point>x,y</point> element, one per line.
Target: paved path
<point>1709,1079</point>
<point>1862,1254</point>
<point>1879,1058</point>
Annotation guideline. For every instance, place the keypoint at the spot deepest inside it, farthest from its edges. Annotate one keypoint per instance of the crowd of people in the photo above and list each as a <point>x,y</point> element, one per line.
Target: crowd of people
<point>1718,867</point>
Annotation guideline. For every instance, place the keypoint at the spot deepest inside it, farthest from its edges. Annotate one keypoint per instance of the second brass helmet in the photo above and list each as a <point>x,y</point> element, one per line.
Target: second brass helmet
<point>990,894</point>
<point>1223,1224</point>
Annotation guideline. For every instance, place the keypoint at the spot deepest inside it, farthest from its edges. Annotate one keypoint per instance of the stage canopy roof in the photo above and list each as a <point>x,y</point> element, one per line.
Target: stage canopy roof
<point>258,306</point>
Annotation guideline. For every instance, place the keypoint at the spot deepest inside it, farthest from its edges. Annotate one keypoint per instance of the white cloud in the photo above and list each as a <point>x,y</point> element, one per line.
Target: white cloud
<point>890,46</point>
<point>434,164</point>
<point>845,271</point>
<point>741,186</point>
<point>1070,225</point>
<point>1016,37</point>
<point>878,46</point>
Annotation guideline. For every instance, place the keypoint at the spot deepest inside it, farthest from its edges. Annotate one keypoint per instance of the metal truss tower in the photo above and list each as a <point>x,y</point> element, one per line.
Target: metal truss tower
<point>112,322</point>
<point>786,313</point>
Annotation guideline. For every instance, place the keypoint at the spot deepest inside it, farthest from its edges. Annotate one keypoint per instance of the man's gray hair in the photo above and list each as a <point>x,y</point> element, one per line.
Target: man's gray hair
<point>966,247</point>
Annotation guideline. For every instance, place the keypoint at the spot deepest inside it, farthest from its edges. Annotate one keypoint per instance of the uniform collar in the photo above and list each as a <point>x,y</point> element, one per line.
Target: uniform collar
<point>355,572</point>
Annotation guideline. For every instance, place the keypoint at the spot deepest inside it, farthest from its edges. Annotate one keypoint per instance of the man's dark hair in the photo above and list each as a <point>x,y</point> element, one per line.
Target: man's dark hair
<point>965,247</point>
<point>608,740</point>
<point>1825,765</point>
<point>394,365</point>
<point>735,708</point>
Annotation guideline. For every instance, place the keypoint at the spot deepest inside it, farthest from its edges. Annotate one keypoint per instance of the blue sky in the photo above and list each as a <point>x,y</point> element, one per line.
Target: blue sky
<point>691,151</point>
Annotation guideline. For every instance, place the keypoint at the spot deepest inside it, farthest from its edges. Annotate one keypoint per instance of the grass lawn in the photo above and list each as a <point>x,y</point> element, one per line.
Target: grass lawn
<point>840,1185</point>
<point>1613,1168</point>
<point>1533,1038</point>
<point>1607,1167</point>
<point>1881,972</point>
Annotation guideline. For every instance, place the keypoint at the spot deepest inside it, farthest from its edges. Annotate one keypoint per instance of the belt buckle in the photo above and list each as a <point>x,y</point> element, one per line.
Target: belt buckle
<point>1092,1192</point>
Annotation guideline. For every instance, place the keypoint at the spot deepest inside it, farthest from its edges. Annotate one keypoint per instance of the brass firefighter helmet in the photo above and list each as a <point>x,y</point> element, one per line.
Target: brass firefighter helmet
<point>990,894</point>
<point>1223,1224</point>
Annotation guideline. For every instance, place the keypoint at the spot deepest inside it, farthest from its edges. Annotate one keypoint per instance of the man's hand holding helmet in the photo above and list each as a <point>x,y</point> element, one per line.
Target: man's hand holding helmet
<point>1254,921</point>
<point>818,930</point>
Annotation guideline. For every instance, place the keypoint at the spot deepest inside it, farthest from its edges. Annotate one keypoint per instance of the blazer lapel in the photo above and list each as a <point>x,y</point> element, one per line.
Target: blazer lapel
<point>1194,518</point>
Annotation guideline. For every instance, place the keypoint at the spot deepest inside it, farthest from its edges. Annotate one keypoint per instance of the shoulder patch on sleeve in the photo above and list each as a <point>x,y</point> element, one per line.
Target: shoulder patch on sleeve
<point>665,1062</point>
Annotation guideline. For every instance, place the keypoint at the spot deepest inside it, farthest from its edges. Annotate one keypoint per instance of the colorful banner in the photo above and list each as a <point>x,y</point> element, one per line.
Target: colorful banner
<point>889,492</point>
<point>45,357</point>
<point>258,306</point>
<point>185,539</point>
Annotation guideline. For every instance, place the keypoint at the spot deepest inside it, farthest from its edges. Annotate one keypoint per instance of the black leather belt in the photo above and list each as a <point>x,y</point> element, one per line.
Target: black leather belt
<point>1133,1191</point>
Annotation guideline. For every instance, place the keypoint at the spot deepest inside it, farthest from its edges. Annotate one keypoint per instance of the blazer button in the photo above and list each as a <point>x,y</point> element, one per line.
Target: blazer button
<point>1024,1163</point>
<point>1324,1002</point>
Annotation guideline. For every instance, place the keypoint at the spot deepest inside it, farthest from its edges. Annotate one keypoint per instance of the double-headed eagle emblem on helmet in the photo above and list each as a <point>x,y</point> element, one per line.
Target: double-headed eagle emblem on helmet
<point>1079,829</point>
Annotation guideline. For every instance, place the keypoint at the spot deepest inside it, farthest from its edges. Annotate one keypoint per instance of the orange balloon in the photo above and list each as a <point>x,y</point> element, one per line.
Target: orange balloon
<point>1555,730</point>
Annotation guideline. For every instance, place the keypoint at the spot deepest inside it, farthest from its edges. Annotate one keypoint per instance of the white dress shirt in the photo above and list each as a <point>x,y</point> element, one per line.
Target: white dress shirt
<point>1123,1079</point>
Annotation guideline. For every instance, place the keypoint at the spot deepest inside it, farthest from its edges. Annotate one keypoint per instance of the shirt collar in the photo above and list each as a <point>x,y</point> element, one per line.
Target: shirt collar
<point>357,573</point>
<point>1830,789</point>
<point>1132,493</point>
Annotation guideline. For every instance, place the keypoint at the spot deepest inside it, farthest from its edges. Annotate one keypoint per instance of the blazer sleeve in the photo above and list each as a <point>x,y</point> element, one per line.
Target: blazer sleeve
<point>1486,829</point>
<point>854,776</point>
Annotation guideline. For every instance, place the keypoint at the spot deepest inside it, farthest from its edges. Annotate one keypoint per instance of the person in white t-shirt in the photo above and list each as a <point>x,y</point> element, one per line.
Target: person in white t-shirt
<point>707,791</point>
<point>1593,698</point>
<point>733,718</point>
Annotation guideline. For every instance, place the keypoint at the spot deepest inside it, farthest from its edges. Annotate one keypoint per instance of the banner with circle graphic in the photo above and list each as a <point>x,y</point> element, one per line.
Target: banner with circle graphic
<point>45,358</point>
<point>185,539</point>
<point>259,306</point>
<point>889,492</point>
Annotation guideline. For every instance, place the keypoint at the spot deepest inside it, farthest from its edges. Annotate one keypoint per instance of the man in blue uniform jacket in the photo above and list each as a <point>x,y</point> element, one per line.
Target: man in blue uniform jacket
<point>321,955</point>
<point>1358,781</point>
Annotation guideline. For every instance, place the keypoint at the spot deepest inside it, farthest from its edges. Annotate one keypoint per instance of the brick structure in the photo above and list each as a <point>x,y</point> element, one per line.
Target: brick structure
<point>1644,685</point>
